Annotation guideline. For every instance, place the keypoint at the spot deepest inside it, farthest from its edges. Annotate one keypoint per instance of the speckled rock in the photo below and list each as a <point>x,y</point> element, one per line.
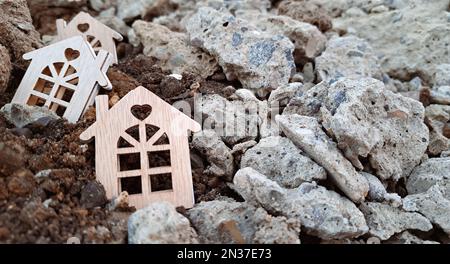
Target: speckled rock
<point>93,194</point>
<point>441,75</point>
<point>159,223</point>
<point>309,42</point>
<point>22,115</point>
<point>378,193</point>
<point>281,96</point>
<point>308,135</point>
<point>232,222</point>
<point>434,204</point>
<point>17,31</point>
<point>347,57</point>
<point>322,213</point>
<point>306,11</point>
<point>280,160</point>
<point>216,152</point>
<point>410,40</point>
<point>384,220</point>
<point>5,68</point>
<point>259,61</point>
<point>230,121</point>
<point>406,237</point>
<point>428,174</point>
<point>436,118</point>
<point>173,50</point>
<point>109,18</point>
<point>129,9</point>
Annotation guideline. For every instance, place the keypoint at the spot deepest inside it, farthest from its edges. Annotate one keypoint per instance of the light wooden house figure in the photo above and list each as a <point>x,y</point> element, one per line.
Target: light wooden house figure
<point>145,154</point>
<point>93,31</point>
<point>65,77</point>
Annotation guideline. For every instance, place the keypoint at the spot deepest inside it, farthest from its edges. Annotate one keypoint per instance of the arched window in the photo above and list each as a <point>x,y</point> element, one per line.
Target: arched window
<point>56,84</point>
<point>143,154</point>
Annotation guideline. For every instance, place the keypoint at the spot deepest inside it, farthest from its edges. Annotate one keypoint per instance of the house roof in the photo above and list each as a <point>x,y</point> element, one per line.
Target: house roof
<point>83,16</point>
<point>141,96</point>
<point>73,42</point>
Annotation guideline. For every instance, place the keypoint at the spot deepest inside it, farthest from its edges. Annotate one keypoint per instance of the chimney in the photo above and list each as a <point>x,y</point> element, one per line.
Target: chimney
<point>101,106</point>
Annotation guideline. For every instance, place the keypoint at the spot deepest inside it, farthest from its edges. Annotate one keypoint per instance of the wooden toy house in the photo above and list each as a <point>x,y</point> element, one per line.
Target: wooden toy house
<point>145,154</point>
<point>93,31</point>
<point>63,77</point>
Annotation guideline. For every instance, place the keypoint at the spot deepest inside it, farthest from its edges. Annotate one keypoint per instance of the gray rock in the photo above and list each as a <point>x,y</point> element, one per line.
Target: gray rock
<point>159,223</point>
<point>378,193</point>
<point>173,50</point>
<point>22,115</point>
<point>370,121</point>
<point>428,174</point>
<point>347,57</point>
<point>109,18</point>
<point>436,118</point>
<point>5,68</point>
<point>307,134</point>
<point>239,150</point>
<point>129,9</point>
<point>322,213</point>
<point>441,75</point>
<point>384,220</point>
<point>406,237</point>
<point>258,60</point>
<point>229,118</point>
<point>92,195</point>
<point>280,160</point>
<point>411,39</point>
<point>434,204</point>
<point>216,152</point>
<point>282,95</point>
<point>309,42</point>
<point>233,222</point>
<point>440,95</point>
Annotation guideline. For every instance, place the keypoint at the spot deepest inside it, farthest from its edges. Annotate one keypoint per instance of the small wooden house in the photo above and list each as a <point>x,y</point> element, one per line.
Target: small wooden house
<point>93,31</point>
<point>65,77</point>
<point>145,154</point>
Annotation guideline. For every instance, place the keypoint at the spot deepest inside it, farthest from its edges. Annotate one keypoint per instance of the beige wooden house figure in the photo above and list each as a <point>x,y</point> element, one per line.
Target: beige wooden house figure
<point>63,77</point>
<point>143,153</point>
<point>93,31</point>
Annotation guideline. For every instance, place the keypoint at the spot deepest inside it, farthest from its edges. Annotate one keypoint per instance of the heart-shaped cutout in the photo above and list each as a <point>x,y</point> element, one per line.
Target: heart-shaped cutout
<point>83,27</point>
<point>141,112</point>
<point>71,54</point>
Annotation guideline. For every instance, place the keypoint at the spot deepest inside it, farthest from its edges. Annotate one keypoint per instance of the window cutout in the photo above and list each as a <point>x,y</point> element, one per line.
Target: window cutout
<point>35,100</point>
<point>122,143</point>
<point>132,185</point>
<point>163,140</point>
<point>71,54</point>
<point>83,27</point>
<point>129,161</point>
<point>74,81</point>
<point>150,131</point>
<point>159,158</point>
<point>161,182</point>
<point>58,66</point>
<point>43,86</point>
<point>71,70</point>
<point>133,132</point>
<point>58,109</point>
<point>64,94</point>
<point>141,112</point>
<point>47,72</point>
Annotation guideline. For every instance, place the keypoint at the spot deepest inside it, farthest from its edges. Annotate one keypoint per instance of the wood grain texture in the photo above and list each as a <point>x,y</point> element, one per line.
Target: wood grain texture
<point>66,66</point>
<point>112,123</point>
<point>96,33</point>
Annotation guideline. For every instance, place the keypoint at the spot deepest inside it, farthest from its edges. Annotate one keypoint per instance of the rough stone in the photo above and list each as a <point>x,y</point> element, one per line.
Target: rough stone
<point>308,135</point>
<point>428,174</point>
<point>280,160</point>
<point>306,11</point>
<point>434,204</point>
<point>410,40</point>
<point>22,115</point>
<point>281,96</point>
<point>384,220</point>
<point>5,68</point>
<point>109,18</point>
<point>216,152</point>
<point>173,50</point>
<point>441,75</point>
<point>129,9</point>
<point>347,57</point>
<point>17,31</point>
<point>233,222</point>
<point>309,42</point>
<point>92,195</point>
<point>159,223</point>
<point>408,238</point>
<point>440,95</point>
<point>436,118</point>
<point>259,61</point>
<point>378,193</point>
<point>322,213</point>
